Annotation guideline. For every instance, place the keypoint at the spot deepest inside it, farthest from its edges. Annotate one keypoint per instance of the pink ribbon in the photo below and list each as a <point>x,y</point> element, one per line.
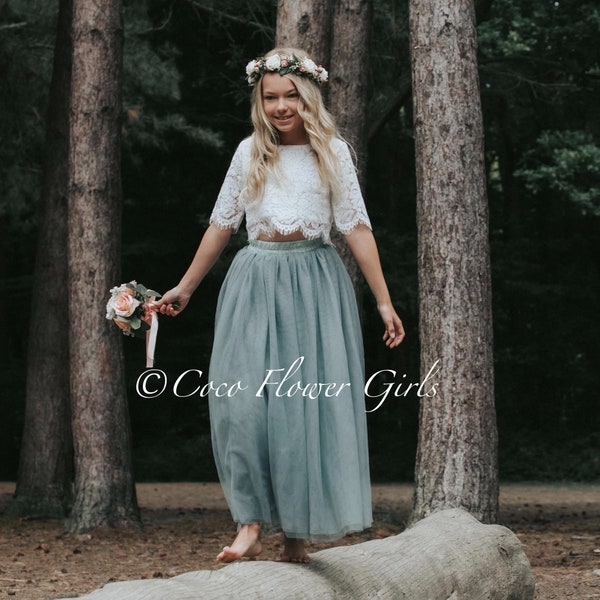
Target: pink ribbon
<point>151,339</point>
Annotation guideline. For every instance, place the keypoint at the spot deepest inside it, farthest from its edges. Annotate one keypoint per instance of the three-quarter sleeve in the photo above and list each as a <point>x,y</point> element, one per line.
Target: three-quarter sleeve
<point>349,210</point>
<point>228,211</point>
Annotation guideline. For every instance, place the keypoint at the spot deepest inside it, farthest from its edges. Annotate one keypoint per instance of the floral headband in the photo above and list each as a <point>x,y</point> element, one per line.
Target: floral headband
<point>284,64</point>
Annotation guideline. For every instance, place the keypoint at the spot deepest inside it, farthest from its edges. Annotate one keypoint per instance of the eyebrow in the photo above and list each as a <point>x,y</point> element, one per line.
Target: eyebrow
<point>267,91</point>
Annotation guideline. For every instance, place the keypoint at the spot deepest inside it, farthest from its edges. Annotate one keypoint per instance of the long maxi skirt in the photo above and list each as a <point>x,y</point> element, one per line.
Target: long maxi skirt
<point>290,440</point>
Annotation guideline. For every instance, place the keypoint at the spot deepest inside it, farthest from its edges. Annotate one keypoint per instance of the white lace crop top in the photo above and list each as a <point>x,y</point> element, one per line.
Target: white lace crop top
<point>295,202</point>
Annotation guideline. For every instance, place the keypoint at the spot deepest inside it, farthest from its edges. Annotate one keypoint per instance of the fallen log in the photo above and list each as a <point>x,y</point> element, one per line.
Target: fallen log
<point>446,556</point>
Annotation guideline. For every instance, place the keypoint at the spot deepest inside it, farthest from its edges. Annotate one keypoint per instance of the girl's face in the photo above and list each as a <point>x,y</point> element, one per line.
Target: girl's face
<point>280,103</point>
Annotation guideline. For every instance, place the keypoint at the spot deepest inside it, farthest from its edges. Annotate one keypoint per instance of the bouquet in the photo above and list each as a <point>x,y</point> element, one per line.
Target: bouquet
<point>128,308</point>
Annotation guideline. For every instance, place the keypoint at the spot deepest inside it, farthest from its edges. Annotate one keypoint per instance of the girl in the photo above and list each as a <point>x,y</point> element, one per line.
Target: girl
<point>291,446</point>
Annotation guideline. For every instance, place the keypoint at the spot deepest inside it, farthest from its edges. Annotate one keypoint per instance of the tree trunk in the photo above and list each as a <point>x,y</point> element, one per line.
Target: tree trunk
<point>44,482</point>
<point>336,29</point>
<point>348,82</point>
<point>305,24</point>
<point>448,556</point>
<point>457,452</point>
<point>104,489</point>
<point>348,97</point>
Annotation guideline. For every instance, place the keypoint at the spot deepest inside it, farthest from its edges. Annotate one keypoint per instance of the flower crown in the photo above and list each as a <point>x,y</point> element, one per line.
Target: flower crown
<point>284,64</point>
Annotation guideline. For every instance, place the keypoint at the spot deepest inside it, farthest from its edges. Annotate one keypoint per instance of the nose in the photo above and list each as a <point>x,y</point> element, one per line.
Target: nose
<point>281,104</point>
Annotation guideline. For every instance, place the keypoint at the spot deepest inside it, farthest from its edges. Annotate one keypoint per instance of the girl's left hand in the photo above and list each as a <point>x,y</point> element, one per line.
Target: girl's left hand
<point>394,331</point>
<point>171,303</point>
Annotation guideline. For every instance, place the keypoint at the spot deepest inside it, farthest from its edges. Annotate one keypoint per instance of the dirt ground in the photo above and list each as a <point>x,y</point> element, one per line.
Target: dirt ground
<point>186,524</point>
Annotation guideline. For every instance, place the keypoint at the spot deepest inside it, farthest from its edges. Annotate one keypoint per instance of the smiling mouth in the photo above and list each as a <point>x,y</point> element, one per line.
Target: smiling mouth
<point>283,119</point>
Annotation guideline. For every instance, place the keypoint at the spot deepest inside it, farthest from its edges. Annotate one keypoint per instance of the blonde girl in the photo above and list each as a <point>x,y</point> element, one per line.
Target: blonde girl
<point>291,447</point>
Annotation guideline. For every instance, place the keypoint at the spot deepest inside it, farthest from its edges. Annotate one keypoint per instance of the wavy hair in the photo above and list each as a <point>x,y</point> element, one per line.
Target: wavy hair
<point>320,128</point>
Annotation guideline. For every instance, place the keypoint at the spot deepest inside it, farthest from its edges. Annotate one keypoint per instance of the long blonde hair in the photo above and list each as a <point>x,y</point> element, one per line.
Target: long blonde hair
<point>320,128</point>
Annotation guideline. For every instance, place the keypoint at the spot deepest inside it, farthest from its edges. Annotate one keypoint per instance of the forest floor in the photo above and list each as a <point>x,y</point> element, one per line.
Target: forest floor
<point>186,524</point>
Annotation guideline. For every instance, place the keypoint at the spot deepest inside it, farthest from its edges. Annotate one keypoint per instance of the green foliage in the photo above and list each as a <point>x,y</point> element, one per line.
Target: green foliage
<point>539,64</point>
<point>149,73</point>
<point>518,29</point>
<point>152,92</point>
<point>566,163</point>
<point>548,34</point>
<point>25,63</point>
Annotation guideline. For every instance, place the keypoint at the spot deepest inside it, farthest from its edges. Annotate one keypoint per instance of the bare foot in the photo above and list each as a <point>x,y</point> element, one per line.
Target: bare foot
<point>247,543</point>
<point>294,551</point>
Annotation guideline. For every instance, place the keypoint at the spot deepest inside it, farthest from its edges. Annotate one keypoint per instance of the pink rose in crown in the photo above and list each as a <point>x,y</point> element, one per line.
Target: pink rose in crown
<point>124,303</point>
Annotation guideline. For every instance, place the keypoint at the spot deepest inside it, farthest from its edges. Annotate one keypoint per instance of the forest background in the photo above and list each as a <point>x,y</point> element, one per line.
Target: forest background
<point>186,106</point>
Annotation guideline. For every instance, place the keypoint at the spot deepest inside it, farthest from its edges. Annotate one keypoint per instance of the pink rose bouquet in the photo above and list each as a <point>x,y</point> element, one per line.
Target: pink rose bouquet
<point>128,308</point>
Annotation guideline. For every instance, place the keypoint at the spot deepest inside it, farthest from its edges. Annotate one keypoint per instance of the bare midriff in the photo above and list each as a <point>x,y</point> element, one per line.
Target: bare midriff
<point>281,237</point>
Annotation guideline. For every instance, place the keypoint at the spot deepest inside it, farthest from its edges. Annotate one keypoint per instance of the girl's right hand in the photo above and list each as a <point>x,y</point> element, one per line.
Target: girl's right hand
<point>394,330</point>
<point>171,303</point>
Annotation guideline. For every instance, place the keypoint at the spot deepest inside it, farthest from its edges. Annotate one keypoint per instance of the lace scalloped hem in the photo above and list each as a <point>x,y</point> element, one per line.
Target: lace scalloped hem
<point>346,230</point>
<point>308,233</point>
<point>224,224</point>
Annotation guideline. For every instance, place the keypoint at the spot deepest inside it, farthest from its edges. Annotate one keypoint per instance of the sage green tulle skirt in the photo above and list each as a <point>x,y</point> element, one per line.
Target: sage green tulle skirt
<point>290,436</point>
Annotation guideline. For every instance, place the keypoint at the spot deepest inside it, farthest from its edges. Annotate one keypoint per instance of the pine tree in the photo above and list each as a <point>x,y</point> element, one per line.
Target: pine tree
<point>104,486</point>
<point>456,456</point>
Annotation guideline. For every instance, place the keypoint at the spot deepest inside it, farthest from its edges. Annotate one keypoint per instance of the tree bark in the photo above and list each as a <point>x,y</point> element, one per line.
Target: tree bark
<point>457,452</point>
<point>337,29</point>
<point>305,24</point>
<point>448,556</point>
<point>44,482</point>
<point>104,489</point>
<point>348,98</point>
<point>348,77</point>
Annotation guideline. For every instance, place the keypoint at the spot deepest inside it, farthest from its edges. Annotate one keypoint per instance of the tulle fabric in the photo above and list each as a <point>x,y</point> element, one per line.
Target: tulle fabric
<point>283,457</point>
